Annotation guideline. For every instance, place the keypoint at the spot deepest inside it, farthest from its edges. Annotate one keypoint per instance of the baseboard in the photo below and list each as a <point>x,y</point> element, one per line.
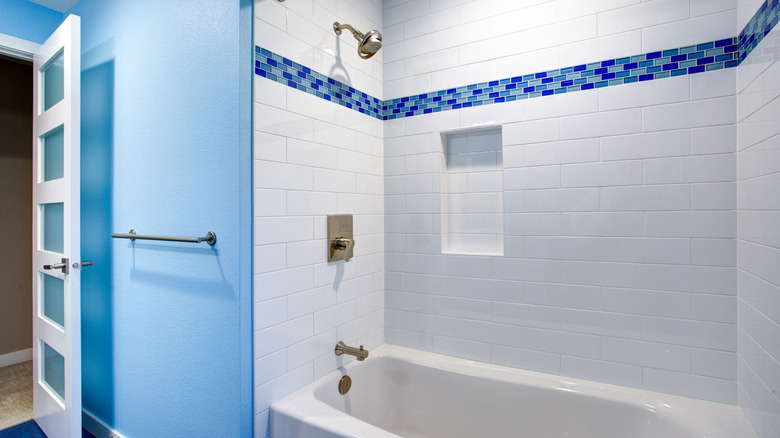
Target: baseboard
<point>15,357</point>
<point>96,427</point>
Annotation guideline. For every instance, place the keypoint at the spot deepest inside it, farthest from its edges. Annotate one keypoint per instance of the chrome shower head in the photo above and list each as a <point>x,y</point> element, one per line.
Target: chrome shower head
<point>370,43</point>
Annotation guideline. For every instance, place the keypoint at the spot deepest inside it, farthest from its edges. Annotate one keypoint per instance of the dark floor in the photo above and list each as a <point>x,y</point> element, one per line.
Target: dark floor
<point>31,430</point>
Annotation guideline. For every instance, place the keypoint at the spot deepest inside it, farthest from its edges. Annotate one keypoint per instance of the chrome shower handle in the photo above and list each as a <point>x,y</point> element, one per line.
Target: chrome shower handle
<point>345,244</point>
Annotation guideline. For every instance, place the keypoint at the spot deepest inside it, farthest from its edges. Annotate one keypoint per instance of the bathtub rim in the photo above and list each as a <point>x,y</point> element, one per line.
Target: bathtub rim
<point>701,417</point>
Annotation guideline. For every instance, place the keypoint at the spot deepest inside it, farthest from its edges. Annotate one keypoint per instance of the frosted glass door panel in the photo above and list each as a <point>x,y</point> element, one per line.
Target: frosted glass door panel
<point>53,299</point>
<point>52,227</point>
<point>53,82</point>
<point>52,158</point>
<point>53,369</point>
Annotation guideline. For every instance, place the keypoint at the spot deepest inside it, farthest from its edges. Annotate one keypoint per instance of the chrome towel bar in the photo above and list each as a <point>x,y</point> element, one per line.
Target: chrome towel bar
<point>211,237</point>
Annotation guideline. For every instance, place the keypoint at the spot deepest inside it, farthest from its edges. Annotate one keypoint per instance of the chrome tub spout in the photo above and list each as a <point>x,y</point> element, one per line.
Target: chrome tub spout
<point>359,353</point>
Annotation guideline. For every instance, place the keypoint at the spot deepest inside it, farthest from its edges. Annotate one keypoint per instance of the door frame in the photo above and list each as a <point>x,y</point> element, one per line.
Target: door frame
<point>17,47</point>
<point>24,50</point>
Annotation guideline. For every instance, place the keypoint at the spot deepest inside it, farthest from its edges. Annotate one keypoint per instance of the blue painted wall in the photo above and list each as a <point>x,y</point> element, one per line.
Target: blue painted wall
<point>28,21</point>
<point>166,138</point>
<point>166,150</point>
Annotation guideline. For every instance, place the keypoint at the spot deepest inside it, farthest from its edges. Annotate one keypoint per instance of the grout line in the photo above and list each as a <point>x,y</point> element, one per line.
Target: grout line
<point>715,55</point>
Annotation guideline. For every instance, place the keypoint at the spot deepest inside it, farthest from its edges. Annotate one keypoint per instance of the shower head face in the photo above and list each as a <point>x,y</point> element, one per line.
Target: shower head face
<point>370,44</point>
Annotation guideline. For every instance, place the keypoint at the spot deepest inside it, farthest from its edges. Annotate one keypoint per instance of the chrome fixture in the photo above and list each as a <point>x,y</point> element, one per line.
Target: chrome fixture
<point>370,43</point>
<point>211,237</point>
<point>341,244</point>
<point>359,353</point>
<point>344,384</point>
<point>63,266</point>
<point>340,238</point>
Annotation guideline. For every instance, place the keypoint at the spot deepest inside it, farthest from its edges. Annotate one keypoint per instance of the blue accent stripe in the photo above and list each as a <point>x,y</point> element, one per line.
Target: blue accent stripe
<point>282,70</point>
<point>756,29</point>
<point>698,58</point>
<point>639,68</point>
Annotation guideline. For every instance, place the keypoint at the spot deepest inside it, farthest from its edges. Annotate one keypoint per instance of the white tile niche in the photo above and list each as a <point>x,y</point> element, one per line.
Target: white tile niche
<point>472,198</point>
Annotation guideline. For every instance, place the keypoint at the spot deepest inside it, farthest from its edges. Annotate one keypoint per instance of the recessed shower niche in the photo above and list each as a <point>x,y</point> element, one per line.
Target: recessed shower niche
<point>472,199</point>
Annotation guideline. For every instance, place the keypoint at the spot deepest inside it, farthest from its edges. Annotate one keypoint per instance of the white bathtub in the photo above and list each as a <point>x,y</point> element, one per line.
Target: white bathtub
<point>400,392</point>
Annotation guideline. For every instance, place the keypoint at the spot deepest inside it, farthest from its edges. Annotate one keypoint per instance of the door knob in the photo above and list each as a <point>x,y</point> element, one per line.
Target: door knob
<point>62,266</point>
<point>76,265</point>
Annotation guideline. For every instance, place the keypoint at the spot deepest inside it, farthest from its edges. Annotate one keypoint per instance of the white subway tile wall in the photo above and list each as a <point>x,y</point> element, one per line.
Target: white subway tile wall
<point>489,40</point>
<point>472,201</point>
<point>758,237</point>
<point>639,224</point>
<point>313,158</point>
<point>620,219</point>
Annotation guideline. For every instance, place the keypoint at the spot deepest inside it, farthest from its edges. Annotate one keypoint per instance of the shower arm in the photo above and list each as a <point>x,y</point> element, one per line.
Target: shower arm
<point>337,27</point>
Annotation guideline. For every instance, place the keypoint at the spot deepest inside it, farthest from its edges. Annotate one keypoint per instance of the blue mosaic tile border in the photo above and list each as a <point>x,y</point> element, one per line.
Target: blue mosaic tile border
<point>758,27</point>
<point>699,58</point>
<point>687,60</point>
<point>280,69</point>
<point>715,55</point>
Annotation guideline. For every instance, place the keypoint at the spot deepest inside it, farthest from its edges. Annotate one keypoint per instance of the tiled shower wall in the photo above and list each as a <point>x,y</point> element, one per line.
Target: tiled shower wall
<point>620,260</point>
<point>472,202</point>
<point>314,158</point>
<point>620,218</point>
<point>759,232</point>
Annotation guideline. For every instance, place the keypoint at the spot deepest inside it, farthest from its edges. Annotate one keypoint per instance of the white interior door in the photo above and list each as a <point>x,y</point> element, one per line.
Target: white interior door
<point>56,226</point>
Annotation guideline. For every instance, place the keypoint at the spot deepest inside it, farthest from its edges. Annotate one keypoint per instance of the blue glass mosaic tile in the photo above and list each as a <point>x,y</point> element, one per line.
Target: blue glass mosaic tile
<point>758,27</point>
<point>694,59</point>
<point>280,69</point>
<point>639,68</point>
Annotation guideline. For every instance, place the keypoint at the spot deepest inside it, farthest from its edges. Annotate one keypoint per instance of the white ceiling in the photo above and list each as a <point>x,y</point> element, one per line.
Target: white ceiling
<point>57,5</point>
